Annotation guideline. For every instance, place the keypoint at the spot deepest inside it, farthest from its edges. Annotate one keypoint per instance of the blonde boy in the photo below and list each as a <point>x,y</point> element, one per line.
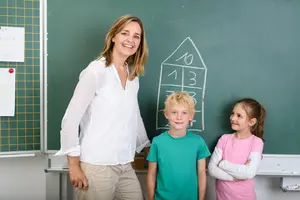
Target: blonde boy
<point>177,157</point>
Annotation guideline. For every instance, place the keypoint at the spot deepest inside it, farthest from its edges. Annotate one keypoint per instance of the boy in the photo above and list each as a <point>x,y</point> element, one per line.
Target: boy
<point>176,169</point>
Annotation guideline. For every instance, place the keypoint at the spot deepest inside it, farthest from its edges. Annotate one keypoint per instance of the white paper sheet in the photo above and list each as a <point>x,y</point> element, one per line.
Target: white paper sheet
<point>12,44</point>
<point>7,91</point>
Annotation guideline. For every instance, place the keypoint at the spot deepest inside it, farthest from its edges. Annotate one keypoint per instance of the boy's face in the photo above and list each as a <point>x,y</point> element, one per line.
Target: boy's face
<point>179,116</point>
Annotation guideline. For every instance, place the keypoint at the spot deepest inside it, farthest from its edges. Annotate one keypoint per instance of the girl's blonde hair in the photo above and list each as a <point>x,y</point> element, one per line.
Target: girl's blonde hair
<point>135,62</point>
<point>181,98</point>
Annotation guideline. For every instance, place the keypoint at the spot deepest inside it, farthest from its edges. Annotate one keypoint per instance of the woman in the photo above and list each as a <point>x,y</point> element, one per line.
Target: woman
<point>105,105</point>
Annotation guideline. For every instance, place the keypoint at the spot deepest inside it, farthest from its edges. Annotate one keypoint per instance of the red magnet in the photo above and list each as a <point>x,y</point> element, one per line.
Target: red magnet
<point>11,70</point>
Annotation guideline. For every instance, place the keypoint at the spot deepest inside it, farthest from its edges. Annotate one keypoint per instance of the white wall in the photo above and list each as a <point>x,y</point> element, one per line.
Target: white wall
<point>22,178</point>
<point>266,189</point>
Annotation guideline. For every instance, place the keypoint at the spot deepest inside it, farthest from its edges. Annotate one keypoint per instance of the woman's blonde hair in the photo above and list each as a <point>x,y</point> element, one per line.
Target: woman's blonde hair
<point>135,62</point>
<point>181,98</point>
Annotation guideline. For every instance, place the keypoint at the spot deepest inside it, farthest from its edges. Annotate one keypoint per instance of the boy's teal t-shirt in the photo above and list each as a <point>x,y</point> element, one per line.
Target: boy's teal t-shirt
<point>176,158</point>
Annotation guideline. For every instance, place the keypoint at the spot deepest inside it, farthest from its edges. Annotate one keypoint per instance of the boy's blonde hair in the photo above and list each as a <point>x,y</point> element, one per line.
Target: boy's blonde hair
<point>182,98</point>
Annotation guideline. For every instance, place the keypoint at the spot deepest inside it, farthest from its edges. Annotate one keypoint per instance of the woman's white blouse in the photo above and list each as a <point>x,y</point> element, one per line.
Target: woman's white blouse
<point>111,127</point>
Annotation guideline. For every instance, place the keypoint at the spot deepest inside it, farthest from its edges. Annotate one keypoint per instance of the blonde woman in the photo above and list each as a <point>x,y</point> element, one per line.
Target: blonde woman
<point>105,106</point>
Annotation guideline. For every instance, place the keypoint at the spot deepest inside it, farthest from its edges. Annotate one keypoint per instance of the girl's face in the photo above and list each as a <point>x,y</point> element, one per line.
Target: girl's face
<point>239,119</point>
<point>127,41</point>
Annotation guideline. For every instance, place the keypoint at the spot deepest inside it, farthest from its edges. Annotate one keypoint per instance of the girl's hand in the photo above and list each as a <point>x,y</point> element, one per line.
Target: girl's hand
<point>236,180</point>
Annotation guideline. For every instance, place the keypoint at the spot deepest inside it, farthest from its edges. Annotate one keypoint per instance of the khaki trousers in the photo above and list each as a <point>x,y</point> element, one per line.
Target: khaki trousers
<point>110,182</point>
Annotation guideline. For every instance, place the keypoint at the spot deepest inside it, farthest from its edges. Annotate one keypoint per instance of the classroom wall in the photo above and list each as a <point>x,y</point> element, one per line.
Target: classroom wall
<point>266,188</point>
<point>22,178</point>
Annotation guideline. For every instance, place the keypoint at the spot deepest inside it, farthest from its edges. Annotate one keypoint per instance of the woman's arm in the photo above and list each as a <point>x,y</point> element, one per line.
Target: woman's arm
<point>151,179</point>
<point>142,137</point>
<point>246,171</point>
<point>213,168</point>
<point>201,178</point>
<point>82,97</point>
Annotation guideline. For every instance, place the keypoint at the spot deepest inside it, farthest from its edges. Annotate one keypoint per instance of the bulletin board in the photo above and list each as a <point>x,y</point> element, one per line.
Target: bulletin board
<point>22,132</point>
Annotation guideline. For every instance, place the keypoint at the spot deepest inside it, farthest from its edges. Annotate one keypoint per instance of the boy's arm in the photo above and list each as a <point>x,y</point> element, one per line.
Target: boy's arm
<point>151,179</point>
<point>203,153</point>
<point>246,171</point>
<point>213,168</point>
<point>152,169</point>
<point>201,178</point>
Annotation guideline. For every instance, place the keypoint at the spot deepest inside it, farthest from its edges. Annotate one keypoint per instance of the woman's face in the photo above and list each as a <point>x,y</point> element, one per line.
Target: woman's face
<point>128,40</point>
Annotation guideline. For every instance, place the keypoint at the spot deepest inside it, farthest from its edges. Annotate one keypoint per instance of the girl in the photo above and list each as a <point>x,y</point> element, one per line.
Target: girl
<point>105,105</point>
<point>236,158</point>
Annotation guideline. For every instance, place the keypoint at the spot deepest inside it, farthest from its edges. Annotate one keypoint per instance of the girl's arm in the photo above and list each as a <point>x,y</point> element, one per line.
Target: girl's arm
<point>201,178</point>
<point>151,179</point>
<point>213,168</point>
<point>246,171</point>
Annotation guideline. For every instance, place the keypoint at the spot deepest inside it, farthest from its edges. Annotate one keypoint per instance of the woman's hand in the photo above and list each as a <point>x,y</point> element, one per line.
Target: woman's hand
<point>146,152</point>
<point>77,176</point>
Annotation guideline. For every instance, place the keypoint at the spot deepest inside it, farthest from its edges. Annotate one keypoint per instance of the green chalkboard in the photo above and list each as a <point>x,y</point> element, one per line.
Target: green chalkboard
<point>22,131</point>
<point>219,51</point>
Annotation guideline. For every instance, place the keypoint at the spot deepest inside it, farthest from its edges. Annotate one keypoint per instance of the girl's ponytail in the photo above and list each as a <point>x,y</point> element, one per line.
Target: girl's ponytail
<point>258,128</point>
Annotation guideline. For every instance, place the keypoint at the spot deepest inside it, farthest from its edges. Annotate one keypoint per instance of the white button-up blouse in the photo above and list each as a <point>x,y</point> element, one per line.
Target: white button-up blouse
<point>111,127</point>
